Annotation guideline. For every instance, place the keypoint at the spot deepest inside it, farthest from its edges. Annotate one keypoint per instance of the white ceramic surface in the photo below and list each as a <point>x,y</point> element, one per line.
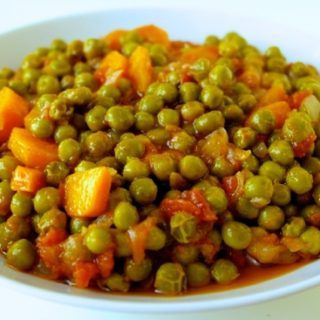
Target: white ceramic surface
<point>190,23</point>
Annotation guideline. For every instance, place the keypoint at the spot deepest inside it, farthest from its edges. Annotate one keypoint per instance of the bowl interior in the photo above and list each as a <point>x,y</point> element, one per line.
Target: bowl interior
<point>189,23</point>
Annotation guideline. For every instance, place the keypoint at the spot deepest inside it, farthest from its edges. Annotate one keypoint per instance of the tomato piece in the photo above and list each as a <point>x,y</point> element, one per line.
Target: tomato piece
<point>83,273</point>
<point>300,149</point>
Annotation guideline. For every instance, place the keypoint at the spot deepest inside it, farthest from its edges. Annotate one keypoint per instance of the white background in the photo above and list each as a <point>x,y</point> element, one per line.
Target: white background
<point>303,15</point>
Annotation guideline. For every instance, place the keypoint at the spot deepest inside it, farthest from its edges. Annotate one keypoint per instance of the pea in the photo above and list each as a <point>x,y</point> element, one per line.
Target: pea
<point>281,194</point>
<point>69,151</point>
<point>97,239</point>
<point>138,271</point>
<point>119,118</point>
<point>144,121</point>
<point>6,73</point>
<point>246,209</point>
<point>216,198</point>
<point>48,84</point>
<point>208,122</point>
<point>18,86</point>
<point>262,121</point>
<point>170,278</point>
<point>192,110</point>
<point>110,162</point>
<point>16,228</point>
<point>41,128</point>
<point>118,195</point>
<point>53,218</point>
<point>75,49</point>
<point>32,61</point>
<point>21,204</point>
<point>198,275</point>
<point>167,91</point>
<point>59,110</point>
<point>3,83</point>
<point>30,77</point>
<point>312,165</point>
<point>67,82</point>
<point>64,132</point>
<point>122,244</point>
<point>200,68</point>
<point>158,136</point>
<point>124,85</point>
<point>77,224</point>
<point>5,197</point>
<point>281,152</point>
<point>192,167</point>
<point>46,199</point>
<point>276,64</point>
<point>259,190</point>
<point>222,168</point>
<point>93,48</point>
<point>299,180</point>
<point>81,67</point>
<point>246,101</point>
<point>271,218</point>
<point>59,67</point>
<point>311,238</point>
<point>273,171</point>
<point>236,235</point>
<point>135,168</point>
<point>211,40</point>
<point>56,172</point>
<point>117,282</point>
<point>7,166</point>
<point>77,96</point>
<point>58,45</point>
<point>151,103</point>
<point>185,254</point>
<point>162,165</point>
<point>143,190</point>
<point>189,91</point>
<point>129,148</point>
<point>182,141</point>
<point>224,271</point>
<point>168,117</point>
<point>294,227</point>
<point>211,96</point>
<point>98,144</point>
<point>251,163</point>
<point>156,239</point>
<point>21,255</point>
<point>183,226</point>
<point>221,76</point>
<point>85,79</point>
<point>75,250</point>
<point>244,137</point>
<point>125,215</point>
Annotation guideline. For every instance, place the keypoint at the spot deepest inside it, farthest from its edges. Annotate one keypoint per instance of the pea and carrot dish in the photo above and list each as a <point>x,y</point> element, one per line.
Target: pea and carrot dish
<point>137,163</point>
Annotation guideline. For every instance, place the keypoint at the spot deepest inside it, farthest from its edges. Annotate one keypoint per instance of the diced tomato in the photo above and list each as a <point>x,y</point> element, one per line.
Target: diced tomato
<point>297,98</point>
<point>229,184</point>
<point>302,148</point>
<point>237,257</point>
<point>83,273</point>
<point>105,263</point>
<point>52,237</point>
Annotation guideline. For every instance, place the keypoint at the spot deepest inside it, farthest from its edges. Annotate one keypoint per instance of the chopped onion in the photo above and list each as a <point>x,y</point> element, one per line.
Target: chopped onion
<point>311,106</point>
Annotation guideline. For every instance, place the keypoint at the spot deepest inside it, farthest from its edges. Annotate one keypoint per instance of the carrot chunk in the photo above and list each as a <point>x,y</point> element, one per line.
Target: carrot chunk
<point>13,109</point>
<point>113,39</point>
<point>32,151</point>
<point>153,34</point>
<point>87,193</point>
<point>27,179</point>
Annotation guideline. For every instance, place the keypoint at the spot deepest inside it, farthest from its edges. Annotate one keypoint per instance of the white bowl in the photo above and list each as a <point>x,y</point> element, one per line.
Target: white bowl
<point>189,23</point>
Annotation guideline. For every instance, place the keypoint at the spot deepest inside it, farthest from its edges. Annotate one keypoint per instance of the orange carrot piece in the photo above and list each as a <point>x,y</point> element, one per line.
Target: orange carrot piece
<point>113,39</point>
<point>83,273</point>
<point>115,61</point>
<point>251,77</point>
<point>27,179</point>
<point>105,263</point>
<point>13,109</point>
<point>274,94</point>
<point>297,98</point>
<point>32,151</point>
<point>153,34</point>
<point>193,54</point>
<point>87,193</point>
<point>140,69</point>
<point>29,117</point>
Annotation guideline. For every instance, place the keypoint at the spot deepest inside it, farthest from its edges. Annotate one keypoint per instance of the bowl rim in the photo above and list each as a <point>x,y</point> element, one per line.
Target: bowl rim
<point>154,304</point>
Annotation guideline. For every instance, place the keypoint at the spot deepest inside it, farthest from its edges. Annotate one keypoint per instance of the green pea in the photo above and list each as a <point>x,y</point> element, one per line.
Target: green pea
<point>247,101</point>
<point>64,132</point>
<point>118,195</point>
<point>273,171</point>
<point>21,255</point>
<point>162,165</point>
<point>117,283</point>
<point>135,168</point>
<point>59,67</point>
<point>17,228</point>
<point>192,110</point>
<point>299,180</point>
<point>7,166</point>
<point>77,96</point>
<point>189,91</point>
<point>67,82</point>
<point>170,278</point>
<point>97,239</point>
<point>244,137</point>
<point>110,162</point>
<point>53,218</point>
<point>93,48</point>
<point>156,239</point>
<point>125,215</point>
<point>236,235</point>
<point>138,271</point>
<point>294,227</point>
<point>167,91</point>
<point>216,198</point>
<point>32,61</point>
<point>158,136</point>
<point>122,244</point>
<point>41,128</point>
<point>192,167</point>
<point>129,148</point>
<point>276,64</point>
<point>85,79</point>
<point>56,172</point>
<point>259,190</point>
<point>221,76</point>
<point>151,103</point>
<point>6,73</point>
<point>312,165</point>
<point>208,122</point>
<point>143,190</point>
<point>48,84</point>
<point>310,212</point>
<point>183,226</point>
<point>69,151</point>
<point>58,45</point>
<point>211,40</point>
<point>224,271</point>
<point>222,168</point>
<point>75,250</point>
<point>263,121</point>
<point>30,77</point>
<point>281,194</point>
<point>185,254</point>
<point>271,218</point>
<point>119,118</point>
<point>59,110</point>
<point>98,144</point>
<point>84,165</point>
<point>6,195</point>
<point>77,224</point>
<point>211,96</point>
<point>251,163</point>
<point>246,209</point>
<point>144,121</point>
<point>198,275</point>
<point>311,238</point>
<point>182,141</point>
<point>168,117</point>
<point>81,67</point>
<point>18,86</point>
<point>21,204</point>
<point>260,150</point>
<point>281,151</point>
<point>46,199</point>
<point>75,49</point>
<point>200,68</point>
